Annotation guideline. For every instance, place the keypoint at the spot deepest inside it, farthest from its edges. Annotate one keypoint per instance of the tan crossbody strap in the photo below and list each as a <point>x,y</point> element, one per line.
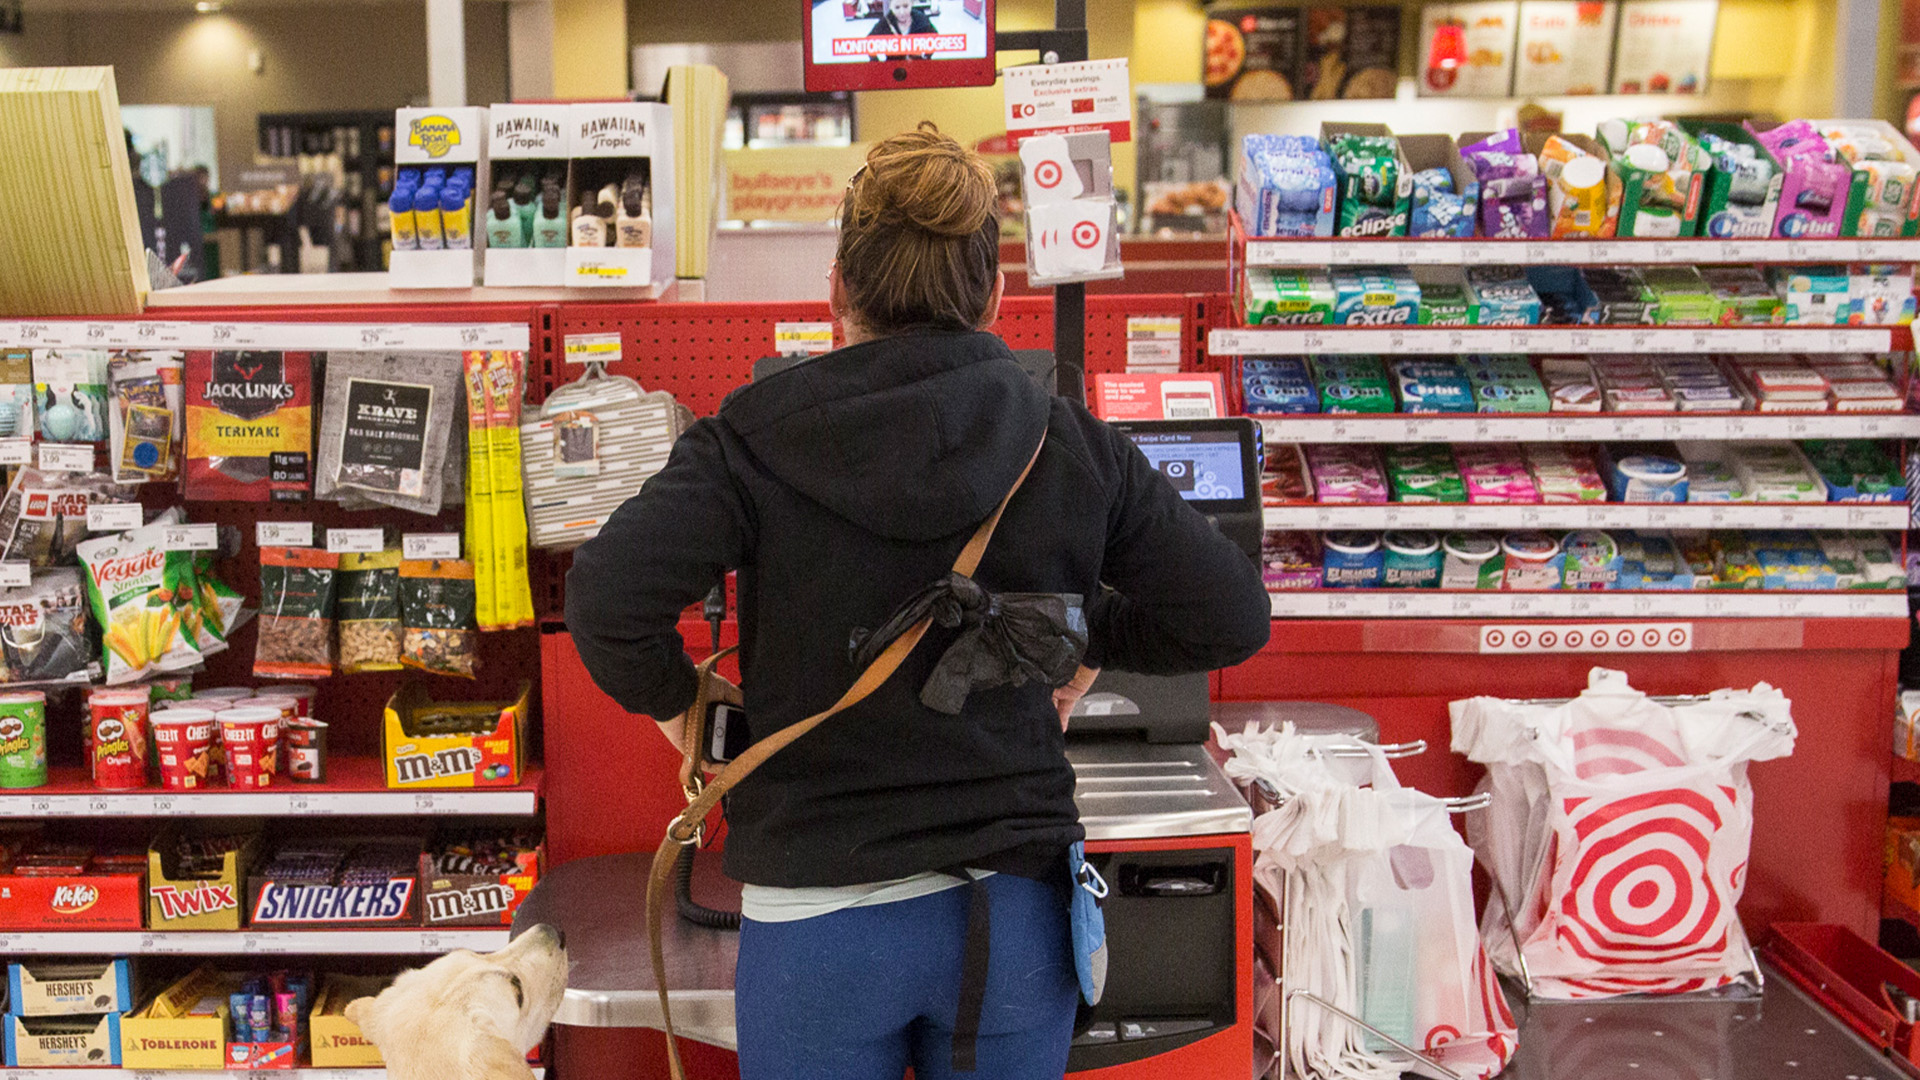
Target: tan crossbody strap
<point>685,828</point>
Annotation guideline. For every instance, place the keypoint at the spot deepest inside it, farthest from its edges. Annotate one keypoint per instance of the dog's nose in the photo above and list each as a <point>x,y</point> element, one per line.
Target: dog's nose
<point>559,936</point>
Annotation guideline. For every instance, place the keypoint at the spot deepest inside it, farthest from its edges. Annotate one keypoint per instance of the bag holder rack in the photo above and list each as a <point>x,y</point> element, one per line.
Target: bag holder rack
<point>1266,798</point>
<point>1754,972</point>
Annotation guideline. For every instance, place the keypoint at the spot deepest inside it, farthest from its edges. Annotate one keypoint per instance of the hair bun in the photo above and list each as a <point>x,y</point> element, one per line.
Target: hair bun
<point>925,179</point>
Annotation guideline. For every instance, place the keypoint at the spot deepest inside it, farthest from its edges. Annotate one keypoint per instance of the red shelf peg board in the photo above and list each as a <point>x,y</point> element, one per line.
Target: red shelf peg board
<point>701,352</point>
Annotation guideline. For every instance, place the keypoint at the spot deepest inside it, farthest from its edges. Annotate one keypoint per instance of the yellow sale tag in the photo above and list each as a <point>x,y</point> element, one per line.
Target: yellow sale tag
<point>802,339</point>
<point>593,348</point>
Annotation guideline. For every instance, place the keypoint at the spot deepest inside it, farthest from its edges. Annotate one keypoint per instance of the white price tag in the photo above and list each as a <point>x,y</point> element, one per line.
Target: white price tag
<point>283,534</point>
<point>802,338</point>
<point>114,517</point>
<point>593,348</point>
<point>68,456</point>
<point>15,575</point>
<point>190,538</point>
<point>355,541</point>
<point>16,452</point>
<point>430,545</point>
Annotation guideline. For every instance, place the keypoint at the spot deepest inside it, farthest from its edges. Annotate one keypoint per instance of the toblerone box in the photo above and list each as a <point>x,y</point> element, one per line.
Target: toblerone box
<point>69,989</point>
<point>183,1027</point>
<point>336,1041</point>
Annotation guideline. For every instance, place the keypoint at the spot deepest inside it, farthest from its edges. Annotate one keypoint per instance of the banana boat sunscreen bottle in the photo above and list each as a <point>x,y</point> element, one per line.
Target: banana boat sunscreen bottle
<point>456,218</point>
<point>400,209</point>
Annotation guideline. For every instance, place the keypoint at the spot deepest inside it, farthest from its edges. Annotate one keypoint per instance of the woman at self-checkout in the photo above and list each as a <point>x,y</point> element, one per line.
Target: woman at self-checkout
<point>840,490</point>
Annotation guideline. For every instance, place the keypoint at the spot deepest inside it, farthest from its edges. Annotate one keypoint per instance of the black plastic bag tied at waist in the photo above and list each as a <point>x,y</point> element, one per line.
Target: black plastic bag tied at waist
<point>1005,639</point>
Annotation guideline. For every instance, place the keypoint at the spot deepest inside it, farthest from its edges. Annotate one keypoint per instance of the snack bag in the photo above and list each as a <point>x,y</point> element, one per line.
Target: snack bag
<point>369,605</point>
<point>249,426</point>
<point>296,613</point>
<point>437,616</point>
<point>140,593</point>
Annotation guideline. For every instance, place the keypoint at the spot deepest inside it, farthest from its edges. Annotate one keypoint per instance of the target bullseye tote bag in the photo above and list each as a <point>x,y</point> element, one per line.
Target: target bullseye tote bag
<point>1618,833</point>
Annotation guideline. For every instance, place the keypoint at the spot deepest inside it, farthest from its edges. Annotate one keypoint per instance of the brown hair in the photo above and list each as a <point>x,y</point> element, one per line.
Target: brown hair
<point>919,242</point>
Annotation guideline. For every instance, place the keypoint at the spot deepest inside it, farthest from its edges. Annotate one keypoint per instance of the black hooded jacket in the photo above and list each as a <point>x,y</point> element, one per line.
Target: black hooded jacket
<point>838,489</point>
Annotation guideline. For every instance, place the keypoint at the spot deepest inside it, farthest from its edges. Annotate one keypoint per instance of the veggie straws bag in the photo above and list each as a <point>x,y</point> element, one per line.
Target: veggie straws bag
<point>142,594</point>
<point>296,613</point>
<point>436,607</point>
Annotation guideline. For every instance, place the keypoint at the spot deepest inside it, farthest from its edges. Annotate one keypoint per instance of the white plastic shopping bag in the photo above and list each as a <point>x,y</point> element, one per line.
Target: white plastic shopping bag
<point>1618,833</point>
<point>1377,892</point>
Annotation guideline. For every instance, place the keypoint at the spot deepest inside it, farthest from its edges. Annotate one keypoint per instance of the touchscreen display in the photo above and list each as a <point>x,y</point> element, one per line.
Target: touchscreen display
<point>1201,465</point>
<point>862,31</point>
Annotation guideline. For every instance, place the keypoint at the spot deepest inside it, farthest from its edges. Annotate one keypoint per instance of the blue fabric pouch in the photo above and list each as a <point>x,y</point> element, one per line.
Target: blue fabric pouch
<point>1089,925</point>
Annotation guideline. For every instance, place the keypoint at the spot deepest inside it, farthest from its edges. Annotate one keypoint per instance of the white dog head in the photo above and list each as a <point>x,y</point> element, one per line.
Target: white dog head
<point>468,1015</point>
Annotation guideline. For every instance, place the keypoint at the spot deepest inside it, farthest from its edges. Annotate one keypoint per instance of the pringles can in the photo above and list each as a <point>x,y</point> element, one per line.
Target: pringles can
<point>23,739</point>
<point>117,720</point>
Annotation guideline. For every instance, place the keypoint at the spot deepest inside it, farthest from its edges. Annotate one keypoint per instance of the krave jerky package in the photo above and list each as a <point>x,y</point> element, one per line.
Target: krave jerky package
<point>249,426</point>
<point>385,427</point>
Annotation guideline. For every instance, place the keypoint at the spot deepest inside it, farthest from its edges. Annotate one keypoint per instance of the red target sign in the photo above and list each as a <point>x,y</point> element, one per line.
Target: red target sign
<point>1047,174</point>
<point>1086,235</point>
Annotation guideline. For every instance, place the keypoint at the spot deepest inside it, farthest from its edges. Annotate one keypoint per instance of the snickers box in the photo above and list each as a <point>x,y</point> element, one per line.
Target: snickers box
<point>392,899</point>
<point>284,905</point>
<point>80,988</point>
<point>61,1041</point>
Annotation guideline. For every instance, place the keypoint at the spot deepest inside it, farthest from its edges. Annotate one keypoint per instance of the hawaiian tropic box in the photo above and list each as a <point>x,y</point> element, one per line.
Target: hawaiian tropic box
<point>455,744</point>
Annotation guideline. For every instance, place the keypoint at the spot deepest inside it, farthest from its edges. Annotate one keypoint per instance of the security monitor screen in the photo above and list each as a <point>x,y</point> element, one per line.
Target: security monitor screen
<point>864,31</point>
<point>1203,466</point>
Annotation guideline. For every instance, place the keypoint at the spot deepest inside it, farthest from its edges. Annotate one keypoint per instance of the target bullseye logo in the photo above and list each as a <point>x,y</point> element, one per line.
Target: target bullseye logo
<point>1047,174</point>
<point>1086,234</point>
<point>1641,881</point>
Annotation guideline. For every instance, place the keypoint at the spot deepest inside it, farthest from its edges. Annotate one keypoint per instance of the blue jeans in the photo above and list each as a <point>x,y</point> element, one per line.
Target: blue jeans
<point>862,993</point>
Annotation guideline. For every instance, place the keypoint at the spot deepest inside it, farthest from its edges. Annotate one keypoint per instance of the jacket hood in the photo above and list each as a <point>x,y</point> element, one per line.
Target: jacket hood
<point>912,437</point>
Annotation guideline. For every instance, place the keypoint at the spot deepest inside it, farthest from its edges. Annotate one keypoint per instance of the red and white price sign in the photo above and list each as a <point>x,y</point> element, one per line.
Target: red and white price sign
<point>1586,637</point>
<point>1061,99</point>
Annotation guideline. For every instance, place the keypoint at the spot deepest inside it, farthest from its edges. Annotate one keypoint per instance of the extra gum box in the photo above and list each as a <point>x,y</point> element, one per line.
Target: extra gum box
<point>1375,296</point>
<point>1274,297</point>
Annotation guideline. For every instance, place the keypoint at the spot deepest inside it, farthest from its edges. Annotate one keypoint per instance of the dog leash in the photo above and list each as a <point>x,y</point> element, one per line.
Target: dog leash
<point>686,828</point>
